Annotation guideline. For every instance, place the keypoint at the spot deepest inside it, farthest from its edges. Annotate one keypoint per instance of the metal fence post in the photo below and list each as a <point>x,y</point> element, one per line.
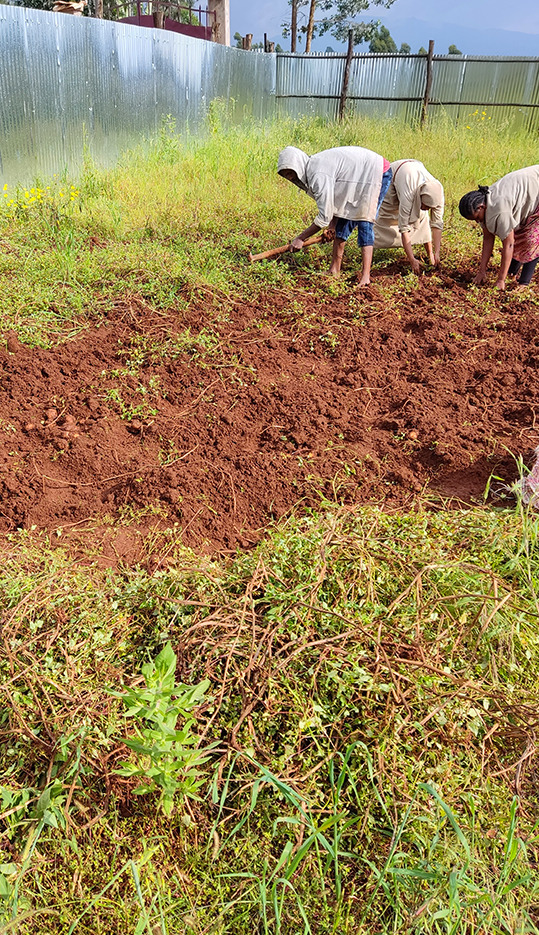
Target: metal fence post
<point>428,82</point>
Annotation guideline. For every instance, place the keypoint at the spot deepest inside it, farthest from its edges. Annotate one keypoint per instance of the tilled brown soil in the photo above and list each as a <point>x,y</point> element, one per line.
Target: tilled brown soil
<point>226,416</point>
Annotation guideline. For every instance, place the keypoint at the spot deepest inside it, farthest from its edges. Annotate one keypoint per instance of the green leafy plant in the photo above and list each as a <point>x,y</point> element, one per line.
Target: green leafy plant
<point>25,810</point>
<point>166,757</point>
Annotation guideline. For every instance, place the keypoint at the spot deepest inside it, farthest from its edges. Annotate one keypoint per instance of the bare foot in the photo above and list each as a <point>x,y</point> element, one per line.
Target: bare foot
<point>334,272</point>
<point>364,281</point>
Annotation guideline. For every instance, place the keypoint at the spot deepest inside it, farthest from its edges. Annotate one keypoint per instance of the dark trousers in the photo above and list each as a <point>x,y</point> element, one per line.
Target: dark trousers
<point>526,272</point>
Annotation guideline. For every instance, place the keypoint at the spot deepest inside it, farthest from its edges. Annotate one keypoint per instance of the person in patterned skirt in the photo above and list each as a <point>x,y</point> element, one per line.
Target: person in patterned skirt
<point>509,209</point>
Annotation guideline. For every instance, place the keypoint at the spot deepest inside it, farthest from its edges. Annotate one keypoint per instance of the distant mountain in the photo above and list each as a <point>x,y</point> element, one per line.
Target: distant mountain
<point>470,41</point>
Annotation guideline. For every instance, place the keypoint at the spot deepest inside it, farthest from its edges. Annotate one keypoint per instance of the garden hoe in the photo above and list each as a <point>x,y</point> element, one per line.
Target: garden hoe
<point>323,237</point>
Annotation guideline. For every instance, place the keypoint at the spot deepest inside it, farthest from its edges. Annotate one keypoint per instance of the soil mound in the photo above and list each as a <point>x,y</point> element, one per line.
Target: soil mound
<point>223,417</point>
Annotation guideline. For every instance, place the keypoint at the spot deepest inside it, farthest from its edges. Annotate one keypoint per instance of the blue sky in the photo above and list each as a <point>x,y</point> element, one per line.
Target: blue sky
<point>479,27</point>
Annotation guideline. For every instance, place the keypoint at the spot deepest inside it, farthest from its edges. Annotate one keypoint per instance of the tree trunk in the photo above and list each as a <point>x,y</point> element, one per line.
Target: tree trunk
<point>158,16</point>
<point>310,26</point>
<point>346,76</point>
<point>294,26</point>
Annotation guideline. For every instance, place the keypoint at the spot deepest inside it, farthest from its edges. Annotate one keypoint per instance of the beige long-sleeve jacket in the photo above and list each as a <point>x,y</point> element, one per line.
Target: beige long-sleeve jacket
<point>511,200</point>
<point>400,211</point>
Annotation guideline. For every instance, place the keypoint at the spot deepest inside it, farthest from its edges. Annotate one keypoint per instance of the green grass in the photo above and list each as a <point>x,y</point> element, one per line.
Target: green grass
<point>373,685</point>
<point>373,677</point>
<point>181,214</point>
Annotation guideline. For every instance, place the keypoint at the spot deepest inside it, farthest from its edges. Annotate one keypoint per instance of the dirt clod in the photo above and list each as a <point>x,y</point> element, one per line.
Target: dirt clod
<point>12,343</point>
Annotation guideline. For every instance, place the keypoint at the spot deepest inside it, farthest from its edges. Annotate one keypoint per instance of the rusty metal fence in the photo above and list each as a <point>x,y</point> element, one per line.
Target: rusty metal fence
<point>70,85</point>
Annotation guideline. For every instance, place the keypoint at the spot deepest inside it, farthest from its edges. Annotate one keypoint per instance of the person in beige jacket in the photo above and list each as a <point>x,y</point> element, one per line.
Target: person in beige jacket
<point>403,219</point>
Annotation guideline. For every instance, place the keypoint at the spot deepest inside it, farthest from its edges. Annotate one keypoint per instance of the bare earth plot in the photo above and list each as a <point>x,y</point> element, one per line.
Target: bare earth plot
<point>227,415</point>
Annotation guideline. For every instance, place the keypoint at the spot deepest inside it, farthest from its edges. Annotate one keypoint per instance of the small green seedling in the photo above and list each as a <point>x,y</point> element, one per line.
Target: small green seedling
<point>167,758</point>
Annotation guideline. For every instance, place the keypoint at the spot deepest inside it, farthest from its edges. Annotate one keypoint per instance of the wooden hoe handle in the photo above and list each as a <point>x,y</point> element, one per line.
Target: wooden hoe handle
<point>318,238</point>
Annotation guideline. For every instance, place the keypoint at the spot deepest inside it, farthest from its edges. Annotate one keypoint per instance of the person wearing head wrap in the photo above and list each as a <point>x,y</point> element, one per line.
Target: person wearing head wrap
<point>509,209</point>
<point>403,218</point>
<point>348,184</point>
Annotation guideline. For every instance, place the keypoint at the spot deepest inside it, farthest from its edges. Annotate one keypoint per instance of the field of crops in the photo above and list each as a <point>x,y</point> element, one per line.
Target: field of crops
<point>268,586</point>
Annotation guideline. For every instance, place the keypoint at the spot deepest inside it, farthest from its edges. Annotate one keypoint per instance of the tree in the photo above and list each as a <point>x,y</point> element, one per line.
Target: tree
<point>452,50</point>
<point>341,17</point>
<point>294,26</point>
<point>405,49</point>
<point>291,28</point>
<point>382,41</point>
<point>422,51</point>
<point>36,4</point>
<point>310,26</point>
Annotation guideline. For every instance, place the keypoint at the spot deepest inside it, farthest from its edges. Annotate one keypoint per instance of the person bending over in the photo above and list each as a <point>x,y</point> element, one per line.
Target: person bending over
<point>403,218</point>
<point>509,209</point>
<point>348,184</point>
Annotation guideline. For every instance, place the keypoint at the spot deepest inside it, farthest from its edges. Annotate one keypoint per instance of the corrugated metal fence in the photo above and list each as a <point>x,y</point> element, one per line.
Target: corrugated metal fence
<point>69,83</point>
<point>394,86</point>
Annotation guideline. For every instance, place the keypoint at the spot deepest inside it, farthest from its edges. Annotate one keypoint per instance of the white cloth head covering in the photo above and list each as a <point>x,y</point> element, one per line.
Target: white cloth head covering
<point>296,159</point>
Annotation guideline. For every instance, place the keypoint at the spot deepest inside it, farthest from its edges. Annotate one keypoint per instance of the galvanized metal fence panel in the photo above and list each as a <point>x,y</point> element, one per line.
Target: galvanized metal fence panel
<point>475,88</point>
<point>387,85</point>
<point>380,85</point>
<point>70,85</point>
<point>394,86</point>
